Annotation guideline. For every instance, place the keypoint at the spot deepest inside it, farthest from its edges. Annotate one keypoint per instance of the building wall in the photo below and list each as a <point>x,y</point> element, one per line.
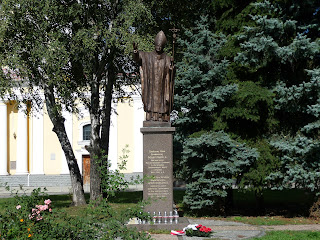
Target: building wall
<point>51,148</point>
<point>43,154</point>
<point>126,134</point>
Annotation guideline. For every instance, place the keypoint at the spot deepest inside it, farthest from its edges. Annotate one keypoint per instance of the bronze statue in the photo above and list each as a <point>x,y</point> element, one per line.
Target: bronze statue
<point>157,79</point>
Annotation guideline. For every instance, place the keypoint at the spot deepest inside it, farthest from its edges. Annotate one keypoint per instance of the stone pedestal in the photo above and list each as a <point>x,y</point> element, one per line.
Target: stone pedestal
<point>157,163</point>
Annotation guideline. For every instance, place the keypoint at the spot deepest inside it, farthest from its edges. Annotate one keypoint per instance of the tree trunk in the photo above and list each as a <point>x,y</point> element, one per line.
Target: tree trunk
<point>259,202</point>
<point>95,148</point>
<point>59,129</point>
<point>100,120</point>
<point>229,201</point>
<point>106,117</point>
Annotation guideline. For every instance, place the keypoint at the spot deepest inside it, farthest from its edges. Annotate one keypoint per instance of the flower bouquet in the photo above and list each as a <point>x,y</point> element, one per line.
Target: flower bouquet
<point>197,230</point>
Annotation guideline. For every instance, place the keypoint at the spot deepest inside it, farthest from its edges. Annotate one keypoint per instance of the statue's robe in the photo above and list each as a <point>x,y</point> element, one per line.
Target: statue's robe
<point>157,84</point>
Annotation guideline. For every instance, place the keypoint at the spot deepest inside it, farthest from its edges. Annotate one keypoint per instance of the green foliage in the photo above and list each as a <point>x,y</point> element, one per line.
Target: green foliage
<point>21,216</point>
<point>211,160</point>
<point>36,197</point>
<point>200,88</point>
<point>280,43</point>
<point>256,78</point>
<point>94,222</point>
<point>72,52</point>
<point>277,45</point>
<point>284,42</point>
<point>299,166</point>
<point>211,163</point>
<point>113,181</point>
<point>68,45</point>
<point>232,15</point>
<point>300,102</point>
<point>266,164</point>
<point>250,111</point>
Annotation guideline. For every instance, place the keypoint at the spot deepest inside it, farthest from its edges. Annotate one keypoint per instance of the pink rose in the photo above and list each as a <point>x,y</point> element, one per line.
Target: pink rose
<point>47,202</point>
<point>43,207</point>
<point>18,207</point>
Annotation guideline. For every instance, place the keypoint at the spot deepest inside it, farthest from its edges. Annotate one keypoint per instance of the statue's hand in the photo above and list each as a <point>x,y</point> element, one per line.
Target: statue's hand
<point>171,63</point>
<point>135,46</point>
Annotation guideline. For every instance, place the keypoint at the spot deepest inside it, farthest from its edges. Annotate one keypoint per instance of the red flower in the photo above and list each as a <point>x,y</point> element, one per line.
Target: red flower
<point>199,226</point>
<point>204,229</point>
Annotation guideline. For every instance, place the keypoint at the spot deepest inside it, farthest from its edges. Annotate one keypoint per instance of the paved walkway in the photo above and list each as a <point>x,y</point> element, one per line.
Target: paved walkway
<point>235,231</point>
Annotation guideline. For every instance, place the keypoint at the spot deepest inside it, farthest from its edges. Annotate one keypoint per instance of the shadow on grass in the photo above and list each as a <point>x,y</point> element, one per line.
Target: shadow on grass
<point>127,197</point>
<point>136,196</point>
<point>289,203</point>
<point>63,201</point>
<point>121,200</point>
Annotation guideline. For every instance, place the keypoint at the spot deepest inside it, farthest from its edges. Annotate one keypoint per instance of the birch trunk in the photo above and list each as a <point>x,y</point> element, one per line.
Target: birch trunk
<point>59,129</point>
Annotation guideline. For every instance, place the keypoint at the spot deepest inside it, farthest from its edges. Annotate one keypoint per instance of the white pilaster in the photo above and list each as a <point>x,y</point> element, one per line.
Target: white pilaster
<point>22,142</point>
<point>113,139</point>
<point>68,125</point>
<point>37,143</point>
<point>3,139</point>
<point>138,140</point>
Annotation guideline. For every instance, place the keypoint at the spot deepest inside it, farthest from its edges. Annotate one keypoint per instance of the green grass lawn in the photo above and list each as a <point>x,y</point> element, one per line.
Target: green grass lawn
<point>122,201</point>
<point>274,199</point>
<point>287,235</point>
<point>282,207</point>
<point>268,220</point>
<point>290,235</point>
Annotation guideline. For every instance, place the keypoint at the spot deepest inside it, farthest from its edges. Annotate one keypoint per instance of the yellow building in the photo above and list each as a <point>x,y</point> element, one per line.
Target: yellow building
<point>31,155</point>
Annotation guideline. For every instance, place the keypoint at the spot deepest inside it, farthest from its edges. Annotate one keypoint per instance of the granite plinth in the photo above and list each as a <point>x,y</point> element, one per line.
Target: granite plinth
<point>156,124</point>
<point>157,166</point>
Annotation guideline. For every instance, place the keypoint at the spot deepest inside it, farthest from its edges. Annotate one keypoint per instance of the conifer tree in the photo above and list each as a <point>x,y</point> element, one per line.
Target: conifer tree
<point>272,48</point>
<point>283,48</point>
<point>210,159</point>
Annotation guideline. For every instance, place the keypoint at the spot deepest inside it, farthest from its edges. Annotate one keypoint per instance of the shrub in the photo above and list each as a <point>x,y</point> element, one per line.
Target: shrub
<point>212,162</point>
<point>31,217</point>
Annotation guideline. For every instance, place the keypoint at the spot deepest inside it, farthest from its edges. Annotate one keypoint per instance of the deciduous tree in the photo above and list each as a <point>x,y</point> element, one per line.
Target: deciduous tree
<point>72,50</point>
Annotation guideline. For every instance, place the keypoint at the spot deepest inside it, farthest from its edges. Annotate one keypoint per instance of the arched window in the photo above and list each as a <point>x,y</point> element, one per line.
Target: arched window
<point>86,132</point>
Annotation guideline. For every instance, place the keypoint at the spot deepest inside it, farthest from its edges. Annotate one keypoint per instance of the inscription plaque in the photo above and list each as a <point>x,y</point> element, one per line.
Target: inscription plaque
<point>158,167</point>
